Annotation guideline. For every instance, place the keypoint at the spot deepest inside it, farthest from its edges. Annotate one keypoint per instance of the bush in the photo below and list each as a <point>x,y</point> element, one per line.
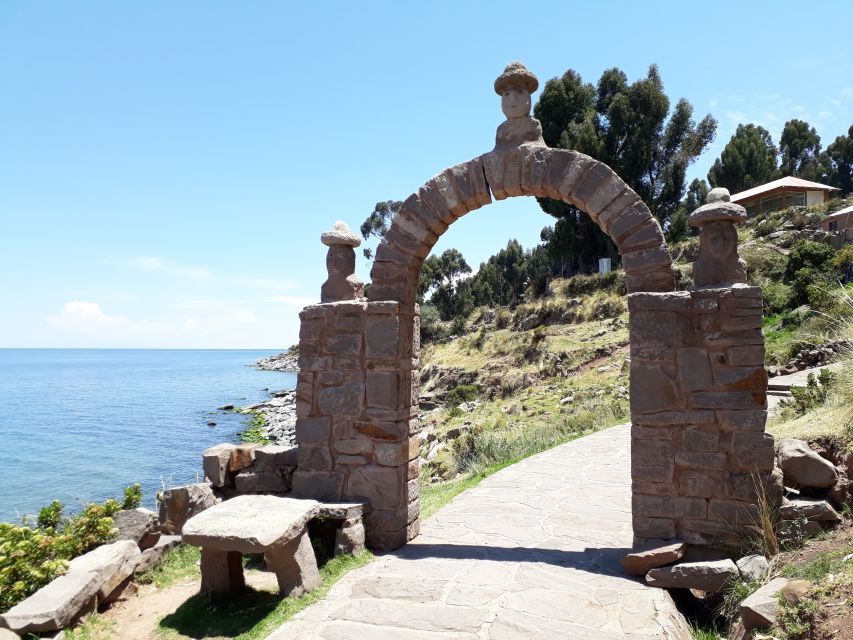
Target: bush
<point>811,396</point>
<point>502,319</point>
<point>30,557</point>
<point>808,255</point>
<point>585,284</point>
<point>132,497</point>
<point>463,393</point>
<point>431,328</point>
<point>764,228</point>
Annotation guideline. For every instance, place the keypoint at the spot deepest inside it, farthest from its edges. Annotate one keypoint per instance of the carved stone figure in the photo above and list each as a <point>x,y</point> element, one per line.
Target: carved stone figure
<point>342,283</point>
<point>718,262</point>
<point>514,86</point>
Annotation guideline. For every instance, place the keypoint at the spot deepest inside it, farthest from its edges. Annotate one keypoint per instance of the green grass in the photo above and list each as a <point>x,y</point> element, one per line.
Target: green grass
<point>93,627</point>
<point>254,431</point>
<point>179,565</point>
<point>817,569</point>
<point>701,633</point>
<point>251,615</point>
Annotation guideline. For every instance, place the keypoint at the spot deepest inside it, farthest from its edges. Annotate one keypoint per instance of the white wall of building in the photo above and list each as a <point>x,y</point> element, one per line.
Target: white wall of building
<point>813,198</point>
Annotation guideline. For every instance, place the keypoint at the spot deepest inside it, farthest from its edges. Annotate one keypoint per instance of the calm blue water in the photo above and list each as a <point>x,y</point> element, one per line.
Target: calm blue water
<point>81,424</point>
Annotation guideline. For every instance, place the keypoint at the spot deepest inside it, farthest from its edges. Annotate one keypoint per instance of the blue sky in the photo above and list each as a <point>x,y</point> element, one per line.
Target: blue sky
<point>166,168</point>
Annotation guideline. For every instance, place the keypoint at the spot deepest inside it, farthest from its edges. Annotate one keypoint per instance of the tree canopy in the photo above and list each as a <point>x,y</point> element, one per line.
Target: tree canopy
<point>839,162</point>
<point>630,127</point>
<point>748,160</point>
<point>799,147</point>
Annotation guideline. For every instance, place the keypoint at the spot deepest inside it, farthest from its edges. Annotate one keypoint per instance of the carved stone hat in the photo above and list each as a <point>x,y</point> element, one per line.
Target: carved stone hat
<point>516,75</point>
<point>717,208</point>
<point>340,235</point>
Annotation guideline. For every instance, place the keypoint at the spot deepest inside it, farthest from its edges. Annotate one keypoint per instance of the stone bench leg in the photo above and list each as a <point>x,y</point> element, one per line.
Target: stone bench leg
<point>221,570</point>
<point>294,565</point>
<point>350,537</point>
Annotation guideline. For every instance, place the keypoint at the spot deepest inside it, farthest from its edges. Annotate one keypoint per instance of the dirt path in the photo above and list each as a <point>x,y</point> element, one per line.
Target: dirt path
<point>138,616</point>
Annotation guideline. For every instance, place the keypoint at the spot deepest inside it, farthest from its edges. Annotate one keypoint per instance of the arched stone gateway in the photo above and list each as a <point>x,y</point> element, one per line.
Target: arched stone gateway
<point>698,385</point>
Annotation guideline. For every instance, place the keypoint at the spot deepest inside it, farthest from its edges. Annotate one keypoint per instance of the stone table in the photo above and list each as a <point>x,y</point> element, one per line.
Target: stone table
<point>273,526</point>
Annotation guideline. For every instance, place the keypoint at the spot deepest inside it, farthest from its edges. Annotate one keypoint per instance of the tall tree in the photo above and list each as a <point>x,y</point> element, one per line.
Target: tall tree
<point>748,160</point>
<point>376,224</point>
<point>443,274</point>
<point>839,162</point>
<point>626,126</point>
<point>799,147</point>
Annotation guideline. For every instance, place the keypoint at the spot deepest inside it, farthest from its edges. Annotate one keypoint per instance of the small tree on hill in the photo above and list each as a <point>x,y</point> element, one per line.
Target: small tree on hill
<point>799,146</point>
<point>748,160</point>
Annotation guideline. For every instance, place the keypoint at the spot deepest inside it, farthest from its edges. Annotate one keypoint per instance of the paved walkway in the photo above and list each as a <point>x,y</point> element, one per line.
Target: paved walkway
<point>532,552</point>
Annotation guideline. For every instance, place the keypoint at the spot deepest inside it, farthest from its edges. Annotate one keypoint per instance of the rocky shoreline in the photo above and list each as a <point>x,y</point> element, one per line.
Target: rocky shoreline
<point>279,416</point>
<point>287,361</point>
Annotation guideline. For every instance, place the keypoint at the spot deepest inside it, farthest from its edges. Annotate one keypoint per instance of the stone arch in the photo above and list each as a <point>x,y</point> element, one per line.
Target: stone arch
<point>529,170</point>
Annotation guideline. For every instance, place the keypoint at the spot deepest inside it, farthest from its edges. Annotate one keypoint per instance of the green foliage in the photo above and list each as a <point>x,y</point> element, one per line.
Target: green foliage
<point>809,266</point>
<point>799,146</point>
<point>254,431</point>
<point>50,516</point>
<point>431,327</point>
<point>179,564</point>
<point>813,395</point>
<point>839,162</point>
<point>748,160</point>
<point>502,318</point>
<point>579,285</point>
<point>630,127</point>
<point>132,497</point>
<point>377,223</point>
<point>463,393</point>
<point>30,557</point>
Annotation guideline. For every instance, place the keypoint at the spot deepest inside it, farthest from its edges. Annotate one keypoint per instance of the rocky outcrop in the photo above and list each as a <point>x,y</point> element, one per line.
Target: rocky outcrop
<point>154,556</point>
<point>139,525</point>
<point>753,568</point>
<point>809,358</point>
<point>233,469</point>
<point>287,361</point>
<point>279,416</point>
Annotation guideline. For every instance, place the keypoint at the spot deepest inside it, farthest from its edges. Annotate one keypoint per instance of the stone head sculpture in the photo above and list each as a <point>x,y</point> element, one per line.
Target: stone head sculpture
<point>342,283</point>
<point>718,262</point>
<point>515,86</point>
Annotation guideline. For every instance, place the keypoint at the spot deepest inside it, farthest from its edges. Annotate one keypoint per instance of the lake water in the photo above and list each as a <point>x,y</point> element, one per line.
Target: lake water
<point>79,425</point>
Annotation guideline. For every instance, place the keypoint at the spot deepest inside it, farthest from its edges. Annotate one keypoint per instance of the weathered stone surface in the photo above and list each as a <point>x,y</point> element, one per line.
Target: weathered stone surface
<point>276,479</point>
<point>809,508</point>
<point>342,283</point>
<point>112,563</point>
<point>179,504</point>
<point>803,466</point>
<point>139,525</point>
<point>753,567</point>
<point>249,524</point>
<point>294,565</point>
<point>56,605</point>
<point>653,554</point>
<point>154,556</point>
<point>6,634</point>
<point>340,510</point>
<point>350,538</point>
<point>215,464</point>
<point>761,608</point>
<point>242,456</point>
<point>221,571</point>
<point>275,455</point>
<point>704,576</point>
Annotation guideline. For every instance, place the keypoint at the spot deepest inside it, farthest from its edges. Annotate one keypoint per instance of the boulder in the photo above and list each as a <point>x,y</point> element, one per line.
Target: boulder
<point>112,563</point>
<point>350,537</point>
<point>653,554</point>
<point>154,556</point>
<point>795,590</point>
<point>803,466</point>
<point>761,608</point>
<point>242,456</point>
<point>273,479</point>
<point>139,525</point>
<point>179,504</point>
<point>812,509</point>
<point>709,576</point>
<point>215,464</point>
<point>6,634</point>
<point>753,567</point>
<point>56,605</point>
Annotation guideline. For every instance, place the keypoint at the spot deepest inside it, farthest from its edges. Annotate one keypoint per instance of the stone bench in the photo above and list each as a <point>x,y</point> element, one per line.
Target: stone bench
<point>273,526</point>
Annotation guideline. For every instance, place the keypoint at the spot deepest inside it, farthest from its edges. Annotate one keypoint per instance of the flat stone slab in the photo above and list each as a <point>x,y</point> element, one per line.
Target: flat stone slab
<point>761,607</point>
<point>708,576</point>
<point>533,552</point>
<point>249,524</point>
<point>653,554</point>
<point>340,510</point>
<point>54,606</point>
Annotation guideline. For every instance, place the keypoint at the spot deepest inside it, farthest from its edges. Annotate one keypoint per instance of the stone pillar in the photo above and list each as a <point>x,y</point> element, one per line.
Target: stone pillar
<point>699,398</point>
<point>356,410</point>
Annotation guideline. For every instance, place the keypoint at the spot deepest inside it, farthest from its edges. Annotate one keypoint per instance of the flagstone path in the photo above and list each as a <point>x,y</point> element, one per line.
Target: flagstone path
<point>532,552</point>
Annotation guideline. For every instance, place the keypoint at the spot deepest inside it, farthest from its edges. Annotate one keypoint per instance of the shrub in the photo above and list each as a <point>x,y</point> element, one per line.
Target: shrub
<point>462,393</point>
<point>811,396</point>
<point>585,284</point>
<point>50,516</point>
<point>764,228</point>
<point>431,328</point>
<point>808,255</point>
<point>502,319</point>
<point>132,497</point>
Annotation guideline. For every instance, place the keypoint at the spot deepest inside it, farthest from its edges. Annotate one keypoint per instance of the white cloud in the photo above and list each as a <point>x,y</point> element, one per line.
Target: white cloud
<point>88,320</point>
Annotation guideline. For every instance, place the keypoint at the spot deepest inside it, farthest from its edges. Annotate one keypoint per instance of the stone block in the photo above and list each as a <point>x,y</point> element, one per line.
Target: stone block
<point>382,487</point>
<point>697,440</point>
<point>314,457</point>
<point>350,539</point>
<point>277,455</point>
<point>139,525</point>
<point>653,528</point>
<point>55,606</point>
<point>700,484</point>
<point>599,178</point>
<point>653,506</point>
<point>652,390</point>
<point>646,236</point>
<point>651,433</point>
<point>678,301</point>
<point>676,418</point>
<point>646,259</point>
<point>221,571</point>
<point>653,488</point>
<point>729,400</point>
<point>330,378</point>
<point>391,431</point>
<point>629,219</point>
<point>112,563</point>
<point>353,446</point>
<point>313,430</point>
<point>709,577</point>
<point>394,454</point>
<point>573,176</point>
<point>733,512</point>
<point>416,227</point>
<point>742,378</point>
<point>751,451</point>
<point>382,335</point>
<point>319,485</point>
<point>701,460</point>
<point>346,400</point>
<point>804,467</point>
<point>761,608</point>
<point>614,210</point>
<point>179,504</point>
<point>154,556</point>
<point>242,456</point>
<point>744,420</point>
<point>383,389</point>
<point>651,461</point>
<point>310,331</point>
<point>694,369</point>
<point>653,328</point>
<point>750,355</point>
<point>653,554</point>
<point>267,480</point>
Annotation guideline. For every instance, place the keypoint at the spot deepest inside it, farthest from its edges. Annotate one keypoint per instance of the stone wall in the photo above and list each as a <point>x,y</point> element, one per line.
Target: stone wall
<point>698,407</point>
<point>356,406</point>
